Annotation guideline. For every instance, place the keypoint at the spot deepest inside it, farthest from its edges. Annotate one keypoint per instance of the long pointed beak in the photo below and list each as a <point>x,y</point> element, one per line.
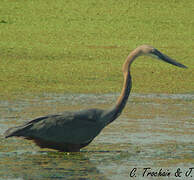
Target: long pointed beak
<point>167,59</point>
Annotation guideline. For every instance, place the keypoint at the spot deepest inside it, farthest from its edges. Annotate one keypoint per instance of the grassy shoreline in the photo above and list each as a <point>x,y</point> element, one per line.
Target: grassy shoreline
<point>79,47</point>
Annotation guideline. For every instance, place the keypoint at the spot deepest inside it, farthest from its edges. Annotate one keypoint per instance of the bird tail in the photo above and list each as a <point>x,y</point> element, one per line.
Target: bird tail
<point>15,131</point>
<point>12,132</point>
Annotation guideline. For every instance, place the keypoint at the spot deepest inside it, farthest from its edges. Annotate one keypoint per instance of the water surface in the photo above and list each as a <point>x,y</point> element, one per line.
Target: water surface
<point>155,131</point>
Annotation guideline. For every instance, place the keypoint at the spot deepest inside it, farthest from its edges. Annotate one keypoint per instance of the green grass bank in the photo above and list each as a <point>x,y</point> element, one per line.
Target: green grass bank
<point>79,46</point>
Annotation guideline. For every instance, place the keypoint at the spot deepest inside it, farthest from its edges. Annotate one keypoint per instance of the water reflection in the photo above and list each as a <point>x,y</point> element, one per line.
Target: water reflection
<point>48,165</point>
<point>155,130</point>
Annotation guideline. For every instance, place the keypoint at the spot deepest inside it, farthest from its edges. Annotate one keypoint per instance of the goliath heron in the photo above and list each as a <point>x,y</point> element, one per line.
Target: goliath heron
<point>71,131</point>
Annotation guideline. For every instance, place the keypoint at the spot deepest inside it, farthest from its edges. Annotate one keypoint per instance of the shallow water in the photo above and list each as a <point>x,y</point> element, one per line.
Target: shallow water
<point>155,131</point>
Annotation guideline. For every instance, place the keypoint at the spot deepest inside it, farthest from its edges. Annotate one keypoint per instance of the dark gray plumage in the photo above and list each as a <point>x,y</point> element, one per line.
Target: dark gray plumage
<point>57,129</point>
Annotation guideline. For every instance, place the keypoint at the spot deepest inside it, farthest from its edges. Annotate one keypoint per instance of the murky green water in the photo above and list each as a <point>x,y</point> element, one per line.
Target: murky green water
<point>155,131</point>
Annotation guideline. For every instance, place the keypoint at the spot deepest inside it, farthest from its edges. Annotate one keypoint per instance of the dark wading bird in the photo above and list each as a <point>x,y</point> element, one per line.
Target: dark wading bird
<point>71,131</point>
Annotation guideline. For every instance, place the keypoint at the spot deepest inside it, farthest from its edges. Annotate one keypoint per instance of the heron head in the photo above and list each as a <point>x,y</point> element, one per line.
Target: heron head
<point>145,49</point>
<point>153,52</point>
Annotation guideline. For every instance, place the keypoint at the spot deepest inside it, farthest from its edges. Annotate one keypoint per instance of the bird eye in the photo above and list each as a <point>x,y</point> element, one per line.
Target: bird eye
<point>153,50</point>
